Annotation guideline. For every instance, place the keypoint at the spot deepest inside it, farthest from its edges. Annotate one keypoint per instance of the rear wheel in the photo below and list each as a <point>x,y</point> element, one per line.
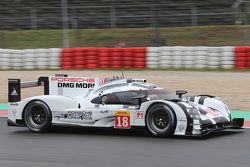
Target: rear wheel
<point>37,116</point>
<point>160,120</point>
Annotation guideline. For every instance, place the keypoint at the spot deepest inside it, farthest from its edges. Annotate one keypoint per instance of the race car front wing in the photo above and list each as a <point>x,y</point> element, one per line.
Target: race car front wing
<point>236,123</point>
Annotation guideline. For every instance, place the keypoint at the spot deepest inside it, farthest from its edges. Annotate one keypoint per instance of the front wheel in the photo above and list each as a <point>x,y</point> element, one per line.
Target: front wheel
<point>37,116</point>
<point>160,120</point>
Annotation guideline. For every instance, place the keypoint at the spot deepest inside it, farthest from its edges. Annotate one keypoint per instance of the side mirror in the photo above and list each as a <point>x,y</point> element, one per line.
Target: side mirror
<point>103,99</point>
<point>139,97</point>
<point>180,93</point>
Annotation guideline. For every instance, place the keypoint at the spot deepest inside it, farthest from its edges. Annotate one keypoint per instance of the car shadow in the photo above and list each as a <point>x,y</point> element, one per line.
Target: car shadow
<point>213,135</point>
<point>134,132</point>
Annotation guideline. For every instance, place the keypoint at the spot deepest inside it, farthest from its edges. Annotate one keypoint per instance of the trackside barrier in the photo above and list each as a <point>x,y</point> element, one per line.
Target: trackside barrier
<point>178,57</point>
<point>198,57</point>
<point>67,58</point>
<point>153,57</point>
<point>242,57</point>
<point>5,59</point>
<point>93,58</point>
<point>30,59</point>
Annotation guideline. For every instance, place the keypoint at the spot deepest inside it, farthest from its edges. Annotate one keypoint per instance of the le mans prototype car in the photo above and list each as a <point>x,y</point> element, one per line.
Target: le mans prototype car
<point>116,103</point>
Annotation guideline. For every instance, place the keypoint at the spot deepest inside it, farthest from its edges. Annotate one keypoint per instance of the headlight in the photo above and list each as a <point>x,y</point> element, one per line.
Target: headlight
<point>193,113</point>
<point>184,99</point>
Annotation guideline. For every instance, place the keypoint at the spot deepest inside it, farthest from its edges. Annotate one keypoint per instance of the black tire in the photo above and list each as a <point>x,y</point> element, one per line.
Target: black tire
<point>161,120</point>
<point>37,116</point>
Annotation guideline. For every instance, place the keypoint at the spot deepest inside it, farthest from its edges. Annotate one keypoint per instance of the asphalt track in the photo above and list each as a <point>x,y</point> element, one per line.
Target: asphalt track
<point>80,147</point>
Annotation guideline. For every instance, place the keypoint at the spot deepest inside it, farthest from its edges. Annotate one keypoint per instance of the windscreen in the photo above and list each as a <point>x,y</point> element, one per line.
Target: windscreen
<point>161,94</point>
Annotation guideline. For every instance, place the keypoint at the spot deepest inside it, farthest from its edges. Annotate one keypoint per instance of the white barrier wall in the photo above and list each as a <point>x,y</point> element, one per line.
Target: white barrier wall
<point>153,57</point>
<point>30,59</point>
<point>197,57</point>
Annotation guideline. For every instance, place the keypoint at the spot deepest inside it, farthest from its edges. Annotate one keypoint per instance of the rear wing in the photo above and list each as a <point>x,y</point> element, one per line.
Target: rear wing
<point>60,84</point>
<point>15,86</point>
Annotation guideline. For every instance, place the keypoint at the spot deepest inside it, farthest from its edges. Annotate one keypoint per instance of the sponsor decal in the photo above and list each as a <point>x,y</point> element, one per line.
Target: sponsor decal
<point>139,115</point>
<point>80,115</point>
<point>77,79</point>
<point>57,116</point>
<point>122,113</point>
<point>122,119</point>
<point>14,112</point>
<point>181,127</point>
<point>104,111</point>
<point>14,104</point>
<point>14,92</point>
<point>139,80</point>
<point>75,85</point>
<point>103,81</point>
<point>125,106</point>
<point>182,120</point>
<point>212,112</point>
<point>83,115</point>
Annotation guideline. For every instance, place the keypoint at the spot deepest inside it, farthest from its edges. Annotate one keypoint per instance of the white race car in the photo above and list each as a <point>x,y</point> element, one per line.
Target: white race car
<point>116,103</point>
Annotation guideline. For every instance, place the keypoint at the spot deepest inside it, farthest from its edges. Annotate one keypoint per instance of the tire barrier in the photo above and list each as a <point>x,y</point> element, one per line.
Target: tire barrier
<point>54,58</point>
<point>95,58</point>
<point>5,58</point>
<point>242,57</point>
<point>67,58</point>
<point>30,59</point>
<point>198,57</point>
<point>176,57</point>
<point>153,57</point>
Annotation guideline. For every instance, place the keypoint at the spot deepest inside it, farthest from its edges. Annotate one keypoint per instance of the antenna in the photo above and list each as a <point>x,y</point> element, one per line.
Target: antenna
<point>122,69</point>
<point>122,65</point>
<point>122,73</point>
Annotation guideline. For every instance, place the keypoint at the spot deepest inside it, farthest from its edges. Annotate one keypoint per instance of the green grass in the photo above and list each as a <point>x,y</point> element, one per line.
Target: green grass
<point>183,36</point>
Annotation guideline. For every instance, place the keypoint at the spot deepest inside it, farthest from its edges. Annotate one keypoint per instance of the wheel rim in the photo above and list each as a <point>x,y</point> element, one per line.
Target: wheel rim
<point>37,116</point>
<point>160,120</point>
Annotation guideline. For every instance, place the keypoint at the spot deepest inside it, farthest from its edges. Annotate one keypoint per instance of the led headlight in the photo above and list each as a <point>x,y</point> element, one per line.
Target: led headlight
<point>184,99</point>
<point>193,113</point>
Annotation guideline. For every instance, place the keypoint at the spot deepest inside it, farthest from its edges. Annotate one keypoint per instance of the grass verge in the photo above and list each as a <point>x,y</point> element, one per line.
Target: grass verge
<point>182,36</point>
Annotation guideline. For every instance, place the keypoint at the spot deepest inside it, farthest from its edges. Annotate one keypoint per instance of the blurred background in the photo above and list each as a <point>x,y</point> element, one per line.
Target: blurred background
<point>126,23</point>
